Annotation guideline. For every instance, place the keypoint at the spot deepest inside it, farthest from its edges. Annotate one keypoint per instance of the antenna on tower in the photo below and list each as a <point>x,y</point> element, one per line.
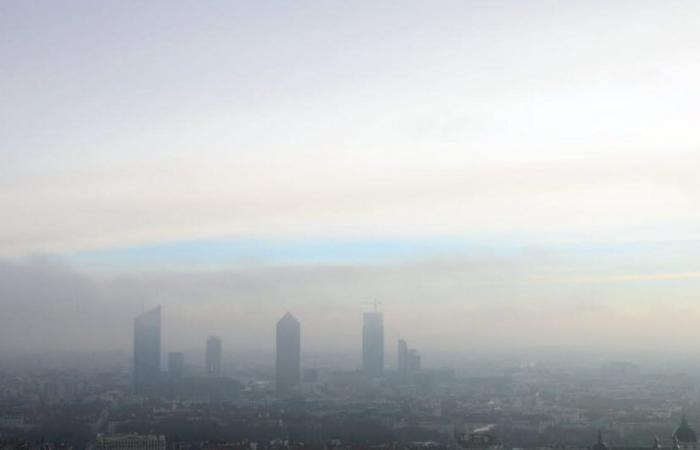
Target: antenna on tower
<point>374,304</point>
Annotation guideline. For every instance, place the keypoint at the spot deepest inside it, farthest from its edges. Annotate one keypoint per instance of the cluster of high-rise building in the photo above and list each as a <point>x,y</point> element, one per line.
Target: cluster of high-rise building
<point>523,406</point>
<point>147,345</point>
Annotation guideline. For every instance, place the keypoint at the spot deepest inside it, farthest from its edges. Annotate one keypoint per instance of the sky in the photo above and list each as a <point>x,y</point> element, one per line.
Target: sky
<point>530,165</point>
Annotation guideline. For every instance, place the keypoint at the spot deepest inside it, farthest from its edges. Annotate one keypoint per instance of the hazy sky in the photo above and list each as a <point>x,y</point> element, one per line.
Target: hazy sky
<point>454,159</point>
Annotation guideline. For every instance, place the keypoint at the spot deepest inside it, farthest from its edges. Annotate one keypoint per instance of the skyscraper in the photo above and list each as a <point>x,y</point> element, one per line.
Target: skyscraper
<point>402,357</point>
<point>288,364</point>
<point>408,361</point>
<point>147,351</point>
<point>213,355</point>
<point>373,344</point>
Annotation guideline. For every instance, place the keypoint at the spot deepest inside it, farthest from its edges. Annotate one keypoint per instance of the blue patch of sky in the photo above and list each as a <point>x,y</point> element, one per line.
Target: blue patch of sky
<point>232,252</point>
<point>212,253</point>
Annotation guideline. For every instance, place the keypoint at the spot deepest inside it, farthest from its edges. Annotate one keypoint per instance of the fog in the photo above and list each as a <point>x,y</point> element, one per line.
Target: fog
<point>527,303</point>
<point>539,160</point>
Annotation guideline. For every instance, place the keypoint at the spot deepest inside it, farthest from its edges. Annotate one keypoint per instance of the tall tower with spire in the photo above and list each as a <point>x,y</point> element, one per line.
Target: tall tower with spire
<point>288,354</point>
<point>373,343</point>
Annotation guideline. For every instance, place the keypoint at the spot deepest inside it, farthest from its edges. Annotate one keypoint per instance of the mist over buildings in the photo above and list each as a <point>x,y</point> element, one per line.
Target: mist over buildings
<point>456,306</point>
<point>497,174</point>
<point>349,225</point>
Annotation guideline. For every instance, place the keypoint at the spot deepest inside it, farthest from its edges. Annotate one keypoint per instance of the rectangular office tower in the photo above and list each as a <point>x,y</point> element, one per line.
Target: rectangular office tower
<point>373,344</point>
<point>288,364</point>
<point>213,355</point>
<point>147,351</point>
<point>402,354</point>
<point>408,361</point>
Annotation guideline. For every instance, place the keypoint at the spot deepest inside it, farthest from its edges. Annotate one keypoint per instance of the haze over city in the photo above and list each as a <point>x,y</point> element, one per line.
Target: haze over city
<point>497,173</point>
<point>349,225</point>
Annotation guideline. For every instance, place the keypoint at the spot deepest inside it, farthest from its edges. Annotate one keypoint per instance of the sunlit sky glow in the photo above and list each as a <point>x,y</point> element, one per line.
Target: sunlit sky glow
<point>159,136</point>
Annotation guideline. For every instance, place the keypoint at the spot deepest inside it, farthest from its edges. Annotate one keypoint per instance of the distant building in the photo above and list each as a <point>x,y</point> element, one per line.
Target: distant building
<point>130,442</point>
<point>176,364</point>
<point>11,421</point>
<point>408,360</point>
<point>685,436</point>
<point>600,444</point>
<point>480,439</point>
<point>213,355</point>
<point>620,369</point>
<point>147,351</point>
<point>288,350</point>
<point>373,344</point>
<point>413,360</point>
<point>402,356</point>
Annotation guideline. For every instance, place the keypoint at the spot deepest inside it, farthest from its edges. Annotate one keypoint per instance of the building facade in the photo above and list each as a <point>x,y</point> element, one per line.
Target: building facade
<point>147,351</point>
<point>213,355</point>
<point>373,344</point>
<point>408,361</point>
<point>288,354</point>
<point>684,436</point>
<point>131,442</point>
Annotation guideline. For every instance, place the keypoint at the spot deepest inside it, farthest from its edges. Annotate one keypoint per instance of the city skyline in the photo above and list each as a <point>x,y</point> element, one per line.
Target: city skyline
<point>288,350</point>
<point>40,290</point>
<point>349,225</point>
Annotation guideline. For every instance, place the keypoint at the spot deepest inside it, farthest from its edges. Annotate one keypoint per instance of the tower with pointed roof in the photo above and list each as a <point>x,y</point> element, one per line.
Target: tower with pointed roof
<point>685,435</point>
<point>288,354</point>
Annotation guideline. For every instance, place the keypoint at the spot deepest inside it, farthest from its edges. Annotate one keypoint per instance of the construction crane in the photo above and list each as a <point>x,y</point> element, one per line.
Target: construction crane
<point>373,303</point>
